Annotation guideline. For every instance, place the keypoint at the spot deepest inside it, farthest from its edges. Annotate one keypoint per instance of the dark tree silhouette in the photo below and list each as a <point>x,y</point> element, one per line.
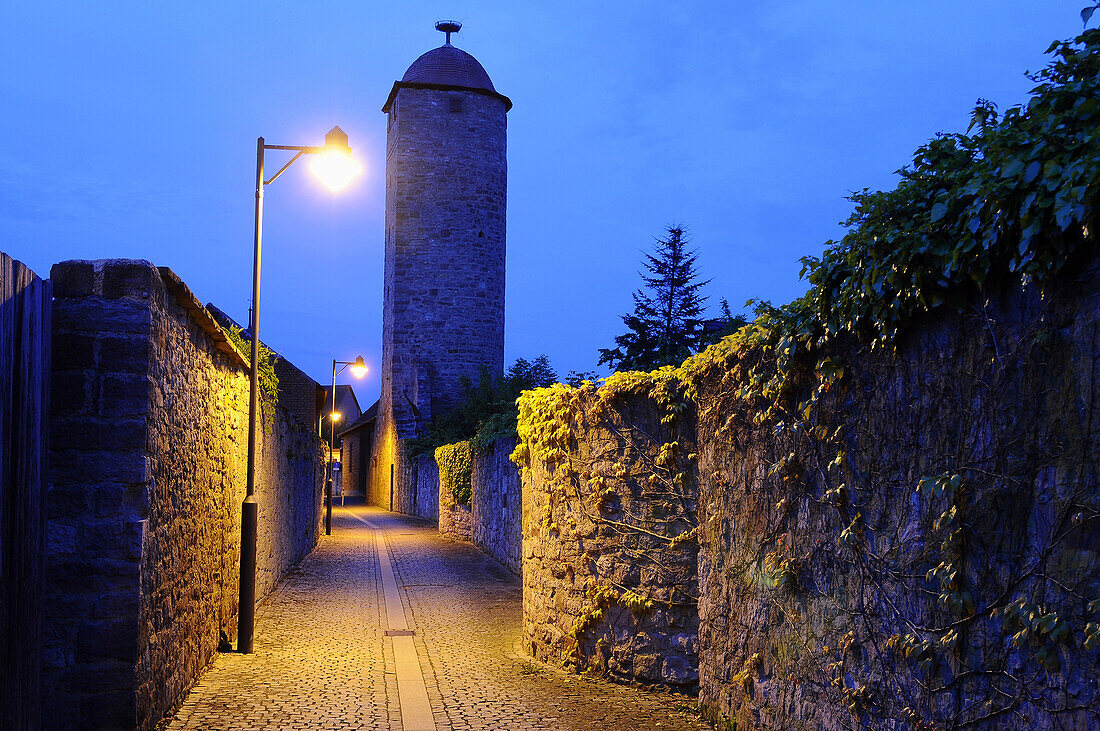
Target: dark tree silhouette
<point>666,325</point>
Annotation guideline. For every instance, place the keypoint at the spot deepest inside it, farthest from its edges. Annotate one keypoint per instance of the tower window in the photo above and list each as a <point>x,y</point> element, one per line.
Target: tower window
<point>456,103</point>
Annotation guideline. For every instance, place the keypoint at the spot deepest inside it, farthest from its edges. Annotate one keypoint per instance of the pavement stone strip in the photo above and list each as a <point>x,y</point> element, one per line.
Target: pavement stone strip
<point>331,648</point>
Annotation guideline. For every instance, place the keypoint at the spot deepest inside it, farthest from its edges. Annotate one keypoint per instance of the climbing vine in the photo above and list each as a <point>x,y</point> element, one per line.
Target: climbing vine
<point>974,220</point>
<point>269,381</point>
<point>616,470</point>
<point>456,471</point>
<point>989,616</point>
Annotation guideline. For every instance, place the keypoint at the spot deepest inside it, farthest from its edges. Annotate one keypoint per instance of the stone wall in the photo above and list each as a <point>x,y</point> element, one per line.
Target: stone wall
<point>425,482</point>
<point>496,508</point>
<point>299,395</point>
<point>455,521</point>
<point>838,590</point>
<point>898,539</point>
<point>609,560</point>
<point>389,470</point>
<point>147,478</point>
<point>493,518</point>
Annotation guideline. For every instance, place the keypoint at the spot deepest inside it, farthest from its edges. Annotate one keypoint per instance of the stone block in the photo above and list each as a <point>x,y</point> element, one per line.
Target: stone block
<point>97,677</point>
<point>60,539</point>
<point>678,669</point>
<point>70,392</point>
<point>114,537</point>
<point>115,709</point>
<point>125,395</point>
<point>124,354</point>
<point>78,432</point>
<point>73,279</point>
<point>73,351</point>
<point>65,607</point>
<point>130,278</point>
<point>75,468</point>
<point>118,604</point>
<point>63,711</point>
<point>91,575</point>
<point>114,639</point>
<point>95,315</point>
<point>54,658</point>
<point>66,501</point>
<point>135,502</point>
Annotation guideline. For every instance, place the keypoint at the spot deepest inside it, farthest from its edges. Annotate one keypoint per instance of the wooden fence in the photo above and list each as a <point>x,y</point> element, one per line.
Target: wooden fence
<point>25,304</point>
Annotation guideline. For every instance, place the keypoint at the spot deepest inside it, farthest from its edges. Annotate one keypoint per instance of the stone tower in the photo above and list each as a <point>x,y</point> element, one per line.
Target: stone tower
<point>446,193</point>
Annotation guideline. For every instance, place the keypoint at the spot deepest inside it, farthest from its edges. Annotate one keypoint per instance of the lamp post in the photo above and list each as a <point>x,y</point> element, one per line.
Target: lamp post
<point>320,419</point>
<point>358,369</point>
<point>335,166</point>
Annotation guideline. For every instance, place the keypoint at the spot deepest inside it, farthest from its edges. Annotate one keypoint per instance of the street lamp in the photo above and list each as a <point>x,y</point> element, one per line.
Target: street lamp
<point>335,176</point>
<point>358,369</point>
<point>335,415</point>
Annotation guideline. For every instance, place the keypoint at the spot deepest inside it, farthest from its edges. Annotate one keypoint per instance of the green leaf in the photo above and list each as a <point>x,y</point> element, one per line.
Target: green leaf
<point>1086,14</point>
<point>938,211</point>
<point>1012,168</point>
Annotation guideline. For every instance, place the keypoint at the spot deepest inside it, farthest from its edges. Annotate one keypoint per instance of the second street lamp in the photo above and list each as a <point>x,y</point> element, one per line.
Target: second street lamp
<point>358,369</point>
<point>320,419</point>
<point>335,175</point>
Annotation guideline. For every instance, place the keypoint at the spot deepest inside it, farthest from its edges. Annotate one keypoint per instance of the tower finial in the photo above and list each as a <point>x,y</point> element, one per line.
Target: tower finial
<point>448,27</point>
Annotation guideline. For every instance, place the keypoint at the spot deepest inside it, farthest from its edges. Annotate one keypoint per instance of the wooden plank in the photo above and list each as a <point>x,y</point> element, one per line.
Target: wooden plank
<point>25,308</point>
<point>9,695</point>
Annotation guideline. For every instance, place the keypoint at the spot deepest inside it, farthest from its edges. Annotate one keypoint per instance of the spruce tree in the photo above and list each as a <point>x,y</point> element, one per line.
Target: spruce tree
<point>666,325</point>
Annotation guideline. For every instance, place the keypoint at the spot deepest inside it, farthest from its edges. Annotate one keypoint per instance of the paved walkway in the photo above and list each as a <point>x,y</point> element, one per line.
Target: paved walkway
<point>426,638</point>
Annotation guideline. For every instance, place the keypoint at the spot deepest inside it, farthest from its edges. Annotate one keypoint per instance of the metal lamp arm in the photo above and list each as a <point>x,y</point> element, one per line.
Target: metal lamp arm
<point>301,150</point>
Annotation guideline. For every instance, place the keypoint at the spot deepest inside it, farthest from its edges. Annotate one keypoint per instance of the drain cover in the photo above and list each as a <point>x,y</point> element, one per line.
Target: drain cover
<point>400,633</point>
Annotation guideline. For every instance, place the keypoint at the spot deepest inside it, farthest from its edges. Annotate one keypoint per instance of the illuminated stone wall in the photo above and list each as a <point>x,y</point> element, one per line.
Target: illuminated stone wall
<point>909,539</point>
<point>493,518</point>
<point>146,482</point>
<point>496,508</point>
<point>606,588</point>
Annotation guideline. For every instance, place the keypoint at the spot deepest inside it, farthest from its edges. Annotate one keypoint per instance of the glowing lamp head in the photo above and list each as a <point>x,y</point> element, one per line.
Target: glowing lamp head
<point>336,416</point>
<point>334,165</point>
<point>359,368</point>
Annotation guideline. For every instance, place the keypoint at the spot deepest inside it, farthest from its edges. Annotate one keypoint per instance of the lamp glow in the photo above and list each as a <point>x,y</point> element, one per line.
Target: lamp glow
<point>359,368</point>
<point>334,166</point>
<point>336,416</point>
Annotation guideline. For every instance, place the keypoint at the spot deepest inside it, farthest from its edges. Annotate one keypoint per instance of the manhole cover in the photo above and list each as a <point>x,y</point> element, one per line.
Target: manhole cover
<point>400,633</point>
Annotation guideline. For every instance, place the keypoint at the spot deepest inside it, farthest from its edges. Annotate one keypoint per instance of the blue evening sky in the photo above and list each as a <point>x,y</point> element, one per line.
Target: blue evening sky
<point>129,130</point>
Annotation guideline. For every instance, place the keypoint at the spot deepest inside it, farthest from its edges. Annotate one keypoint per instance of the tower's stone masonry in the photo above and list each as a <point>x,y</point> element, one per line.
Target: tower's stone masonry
<point>443,316</point>
<point>446,197</point>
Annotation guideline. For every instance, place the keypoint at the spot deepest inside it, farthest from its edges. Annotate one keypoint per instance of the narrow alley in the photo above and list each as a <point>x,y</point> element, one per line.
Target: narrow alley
<point>426,637</point>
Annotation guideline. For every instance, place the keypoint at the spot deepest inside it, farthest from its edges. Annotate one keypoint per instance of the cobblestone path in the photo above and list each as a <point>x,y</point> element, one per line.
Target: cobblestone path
<point>322,658</point>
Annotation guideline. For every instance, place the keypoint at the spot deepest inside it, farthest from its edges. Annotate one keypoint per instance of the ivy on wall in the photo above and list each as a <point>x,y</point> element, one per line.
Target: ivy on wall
<point>1011,204</point>
<point>613,469</point>
<point>456,471</point>
<point>1014,202</point>
<point>269,381</point>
